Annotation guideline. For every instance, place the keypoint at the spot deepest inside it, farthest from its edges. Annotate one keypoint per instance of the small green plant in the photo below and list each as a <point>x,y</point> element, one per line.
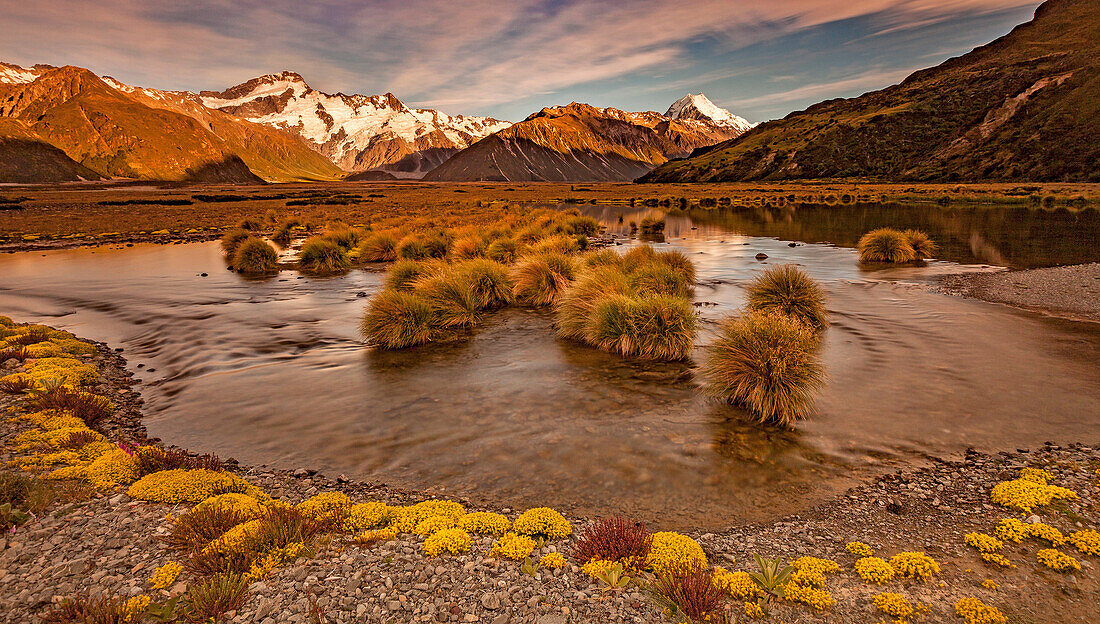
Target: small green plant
<point>530,566</point>
<point>11,517</point>
<point>210,598</point>
<point>613,576</point>
<point>773,575</point>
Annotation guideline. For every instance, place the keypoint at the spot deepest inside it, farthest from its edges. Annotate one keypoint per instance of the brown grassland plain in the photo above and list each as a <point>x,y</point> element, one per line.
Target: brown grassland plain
<point>92,213</point>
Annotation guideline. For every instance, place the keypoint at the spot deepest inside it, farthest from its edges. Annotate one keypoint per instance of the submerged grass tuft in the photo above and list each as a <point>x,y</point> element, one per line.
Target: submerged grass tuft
<point>321,256</point>
<point>396,320</point>
<point>885,245</point>
<point>788,290</point>
<point>254,256</point>
<point>766,362</point>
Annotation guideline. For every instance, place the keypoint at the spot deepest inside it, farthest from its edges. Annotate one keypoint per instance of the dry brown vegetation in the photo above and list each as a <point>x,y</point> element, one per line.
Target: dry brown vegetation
<point>130,211</point>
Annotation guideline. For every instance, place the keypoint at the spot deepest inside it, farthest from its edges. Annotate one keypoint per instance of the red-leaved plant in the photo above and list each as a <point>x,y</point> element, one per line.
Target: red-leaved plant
<point>613,539</point>
<point>693,593</point>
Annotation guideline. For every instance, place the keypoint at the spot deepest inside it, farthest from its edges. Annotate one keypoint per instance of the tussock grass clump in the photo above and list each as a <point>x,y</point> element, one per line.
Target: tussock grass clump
<point>250,224</point>
<point>404,273</point>
<point>766,362</point>
<point>468,247</point>
<point>396,320</point>
<point>451,298</point>
<point>922,244</point>
<point>541,278</point>
<point>345,237</point>
<point>788,290</point>
<point>558,243</point>
<point>659,278</point>
<point>579,301</point>
<point>192,531</point>
<point>637,304</point>
<point>488,281</point>
<point>885,245</point>
<point>663,327</point>
<point>422,247</point>
<point>321,256</point>
<point>504,250</point>
<point>379,247</point>
<point>608,326</point>
<point>233,239</point>
<point>254,256</point>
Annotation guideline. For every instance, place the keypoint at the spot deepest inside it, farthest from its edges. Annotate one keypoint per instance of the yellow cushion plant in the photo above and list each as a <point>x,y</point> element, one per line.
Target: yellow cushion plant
<point>671,552</point>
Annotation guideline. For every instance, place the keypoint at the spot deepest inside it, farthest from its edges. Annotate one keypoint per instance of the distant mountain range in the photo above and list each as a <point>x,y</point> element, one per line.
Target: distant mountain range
<point>66,123</point>
<point>356,132</point>
<point>1024,107</point>
<point>582,142</point>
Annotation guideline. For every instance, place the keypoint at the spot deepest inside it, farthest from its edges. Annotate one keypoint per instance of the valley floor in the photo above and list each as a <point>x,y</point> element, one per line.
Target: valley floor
<point>66,215</point>
<point>110,543</point>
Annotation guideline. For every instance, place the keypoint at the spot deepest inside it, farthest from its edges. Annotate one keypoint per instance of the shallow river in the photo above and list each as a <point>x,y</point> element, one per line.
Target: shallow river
<point>272,372</point>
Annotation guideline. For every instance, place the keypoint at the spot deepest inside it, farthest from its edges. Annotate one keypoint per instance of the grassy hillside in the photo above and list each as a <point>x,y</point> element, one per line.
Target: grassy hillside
<point>1025,107</point>
<point>27,158</point>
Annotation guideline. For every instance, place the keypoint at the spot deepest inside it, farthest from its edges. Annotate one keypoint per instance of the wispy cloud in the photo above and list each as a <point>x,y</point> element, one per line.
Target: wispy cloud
<point>435,52</point>
<point>867,81</point>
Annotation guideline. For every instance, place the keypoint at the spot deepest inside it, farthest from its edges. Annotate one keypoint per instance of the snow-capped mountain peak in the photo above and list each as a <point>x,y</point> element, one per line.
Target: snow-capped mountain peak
<point>356,132</point>
<point>700,108</point>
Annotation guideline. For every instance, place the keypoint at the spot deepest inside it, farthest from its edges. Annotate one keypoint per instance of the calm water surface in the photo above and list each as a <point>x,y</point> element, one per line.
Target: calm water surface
<point>272,372</point>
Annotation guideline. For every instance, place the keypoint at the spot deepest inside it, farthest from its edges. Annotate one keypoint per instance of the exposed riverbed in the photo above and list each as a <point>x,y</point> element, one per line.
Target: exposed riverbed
<point>273,372</point>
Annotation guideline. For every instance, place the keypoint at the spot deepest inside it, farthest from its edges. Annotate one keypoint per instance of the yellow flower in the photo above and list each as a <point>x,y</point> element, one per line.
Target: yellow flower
<point>817,598</point>
<point>753,611</point>
<point>165,575</point>
<point>327,507</point>
<point>1087,541</point>
<point>670,552</point>
<point>990,584</point>
<point>1011,529</point>
<point>434,524</point>
<point>1056,560</point>
<point>597,568</point>
<point>874,570</point>
<point>134,607</point>
<point>859,549</point>
<point>364,516</point>
<point>894,605</point>
<point>1037,475</point>
<point>997,558</point>
<point>915,565</point>
<point>484,522</point>
<point>808,578</point>
<point>542,521</point>
<point>178,486</point>
<point>554,560</point>
<point>982,542</point>
<point>737,584</point>
<point>246,506</point>
<point>974,611</point>
<point>377,535</point>
<point>813,564</point>
<point>1046,532</point>
<point>513,546</point>
<point>454,541</point>
<point>1023,494</point>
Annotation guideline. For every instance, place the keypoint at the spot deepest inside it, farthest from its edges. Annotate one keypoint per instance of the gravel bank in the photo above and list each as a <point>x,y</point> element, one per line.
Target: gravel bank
<point>111,544</point>
<point>1069,291</point>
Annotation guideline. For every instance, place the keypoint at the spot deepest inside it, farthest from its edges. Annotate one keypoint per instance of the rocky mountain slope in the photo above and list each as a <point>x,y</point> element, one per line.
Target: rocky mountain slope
<point>579,142</point>
<point>25,157</point>
<point>357,132</point>
<point>1024,107</point>
<point>121,131</point>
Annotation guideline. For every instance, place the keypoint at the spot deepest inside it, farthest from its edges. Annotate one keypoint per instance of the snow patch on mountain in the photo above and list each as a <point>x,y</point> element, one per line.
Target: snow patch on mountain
<point>14,74</point>
<point>700,108</point>
<point>356,131</point>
